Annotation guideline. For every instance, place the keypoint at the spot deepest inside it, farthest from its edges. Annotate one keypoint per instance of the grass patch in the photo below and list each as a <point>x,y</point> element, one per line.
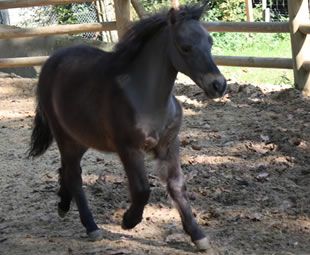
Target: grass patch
<point>254,45</point>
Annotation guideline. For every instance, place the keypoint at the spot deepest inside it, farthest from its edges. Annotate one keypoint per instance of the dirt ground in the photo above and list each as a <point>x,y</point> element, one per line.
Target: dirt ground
<point>246,158</point>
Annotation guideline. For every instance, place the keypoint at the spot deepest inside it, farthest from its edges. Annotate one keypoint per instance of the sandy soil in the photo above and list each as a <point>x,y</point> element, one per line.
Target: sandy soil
<point>246,158</point>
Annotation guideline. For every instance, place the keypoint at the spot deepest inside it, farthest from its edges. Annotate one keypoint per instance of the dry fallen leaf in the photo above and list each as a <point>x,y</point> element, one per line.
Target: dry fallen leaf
<point>184,142</point>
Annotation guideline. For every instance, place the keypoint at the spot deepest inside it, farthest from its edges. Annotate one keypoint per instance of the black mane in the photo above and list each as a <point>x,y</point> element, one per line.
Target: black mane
<point>141,32</point>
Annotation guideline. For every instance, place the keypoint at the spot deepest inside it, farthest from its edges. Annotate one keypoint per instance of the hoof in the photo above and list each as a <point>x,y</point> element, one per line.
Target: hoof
<point>127,226</point>
<point>129,223</point>
<point>61,213</point>
<point>202,244</point>
<point>95,235</point>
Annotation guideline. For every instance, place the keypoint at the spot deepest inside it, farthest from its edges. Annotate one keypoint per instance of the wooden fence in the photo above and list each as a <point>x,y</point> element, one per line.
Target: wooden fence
<point>298,26</point>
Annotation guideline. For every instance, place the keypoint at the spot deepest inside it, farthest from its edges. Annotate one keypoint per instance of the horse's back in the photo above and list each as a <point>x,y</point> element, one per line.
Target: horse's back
<point>72,59</point>
<point>66,73</point>
<point>69,63</point>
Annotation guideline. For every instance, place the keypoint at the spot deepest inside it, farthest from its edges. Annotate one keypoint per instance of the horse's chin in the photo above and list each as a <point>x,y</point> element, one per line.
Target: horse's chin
<point>213,94</point>
<point>209,95</point>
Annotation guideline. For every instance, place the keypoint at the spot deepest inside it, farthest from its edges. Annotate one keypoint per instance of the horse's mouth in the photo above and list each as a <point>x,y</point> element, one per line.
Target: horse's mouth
<point>209,96</point>
<point>214,86</point>
<point>215,94</point>
<point>212,93</point>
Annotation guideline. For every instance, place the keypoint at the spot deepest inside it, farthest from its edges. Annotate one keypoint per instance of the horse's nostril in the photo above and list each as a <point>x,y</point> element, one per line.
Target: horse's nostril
<point>219,86</point>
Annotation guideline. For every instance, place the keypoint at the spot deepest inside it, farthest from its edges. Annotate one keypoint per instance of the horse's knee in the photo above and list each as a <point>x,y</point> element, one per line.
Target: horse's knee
<point>176,185</point>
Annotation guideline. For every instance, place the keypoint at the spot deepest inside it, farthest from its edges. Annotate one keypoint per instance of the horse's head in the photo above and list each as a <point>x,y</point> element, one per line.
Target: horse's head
<point>190,50</point>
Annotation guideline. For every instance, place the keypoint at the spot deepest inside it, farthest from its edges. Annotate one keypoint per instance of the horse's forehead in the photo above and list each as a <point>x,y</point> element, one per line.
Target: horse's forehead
<point>191,30</point>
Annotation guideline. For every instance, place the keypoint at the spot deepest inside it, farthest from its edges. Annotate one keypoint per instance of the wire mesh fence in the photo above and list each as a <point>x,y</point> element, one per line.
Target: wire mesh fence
<point>278,8</point>
<point>4,17</point>
<point>75,13</point>
<point>82,13</point>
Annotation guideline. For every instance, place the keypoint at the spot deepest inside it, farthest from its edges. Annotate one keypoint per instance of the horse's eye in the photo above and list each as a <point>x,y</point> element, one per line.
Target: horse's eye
<point>186,49</point>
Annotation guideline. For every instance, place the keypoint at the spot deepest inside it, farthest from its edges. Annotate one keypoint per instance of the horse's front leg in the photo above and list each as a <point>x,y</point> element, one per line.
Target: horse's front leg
<point>171,173</point>
<point>133,161</point>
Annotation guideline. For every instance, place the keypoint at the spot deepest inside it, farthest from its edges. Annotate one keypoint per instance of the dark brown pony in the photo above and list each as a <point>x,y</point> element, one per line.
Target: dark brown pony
<point>123,102</point>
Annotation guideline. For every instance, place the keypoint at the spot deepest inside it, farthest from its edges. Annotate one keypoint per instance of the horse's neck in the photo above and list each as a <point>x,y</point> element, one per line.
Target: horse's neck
<point>151,77</point>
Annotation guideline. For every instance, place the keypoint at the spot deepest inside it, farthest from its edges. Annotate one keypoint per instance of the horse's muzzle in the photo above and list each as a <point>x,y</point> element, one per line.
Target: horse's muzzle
<point>214,86</point>
<point>220,87</point>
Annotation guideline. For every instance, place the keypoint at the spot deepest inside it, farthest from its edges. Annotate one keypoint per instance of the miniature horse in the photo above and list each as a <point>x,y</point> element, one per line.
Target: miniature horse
<point>122,101</point>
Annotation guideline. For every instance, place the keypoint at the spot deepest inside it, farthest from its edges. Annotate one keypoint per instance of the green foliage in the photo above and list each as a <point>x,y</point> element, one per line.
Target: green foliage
<point>68,13</point>
<point>231,11</point>
<point>223,10</point>
<point>285,79</point>
<point>59,14</point>
<point>255,45</point>
<point>155,5</point>
<point>240,43</point>
<point>219,10</point>
<point>65,14</point>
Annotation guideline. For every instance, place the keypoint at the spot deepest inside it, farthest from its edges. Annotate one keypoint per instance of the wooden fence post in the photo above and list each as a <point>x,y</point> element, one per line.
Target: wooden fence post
<point>139,8</point>
<point>266,11</point>
<point>299,14</point>
<point>249,10</point>
<point>175,4</point>
<point>122,15</point>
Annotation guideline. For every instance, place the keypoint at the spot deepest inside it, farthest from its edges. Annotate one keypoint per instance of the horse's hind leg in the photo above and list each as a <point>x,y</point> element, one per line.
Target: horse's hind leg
<point>133,161</point>
<point>71,184</point>
<point>64,194</point>
<point>171,173</point>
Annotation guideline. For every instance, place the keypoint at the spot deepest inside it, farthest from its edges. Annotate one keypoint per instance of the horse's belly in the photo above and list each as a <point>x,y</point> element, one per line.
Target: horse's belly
<point>94,139</point>
<point>85,131</point>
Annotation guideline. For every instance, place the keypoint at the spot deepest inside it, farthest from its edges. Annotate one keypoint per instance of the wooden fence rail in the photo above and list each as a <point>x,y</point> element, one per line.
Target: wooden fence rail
<point>243,27</point>
<point>22,62</point>
<point>281,63</point>
<point>248,27</point>
<point>261,62</point>
<point>57,30</point>
<point>8,4</point>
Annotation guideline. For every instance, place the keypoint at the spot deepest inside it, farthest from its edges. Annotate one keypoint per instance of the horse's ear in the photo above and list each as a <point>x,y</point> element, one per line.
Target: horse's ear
<point>205,3</point>
<point>172,19</point>
<point>205,6</point>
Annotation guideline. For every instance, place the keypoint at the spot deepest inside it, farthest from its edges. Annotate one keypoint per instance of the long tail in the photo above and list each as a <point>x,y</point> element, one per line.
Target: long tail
<point>41,137</point>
